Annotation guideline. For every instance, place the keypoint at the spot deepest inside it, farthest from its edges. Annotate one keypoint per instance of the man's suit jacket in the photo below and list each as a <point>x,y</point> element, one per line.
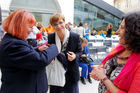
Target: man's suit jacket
<point>22,67</point>
<point>74,45</point>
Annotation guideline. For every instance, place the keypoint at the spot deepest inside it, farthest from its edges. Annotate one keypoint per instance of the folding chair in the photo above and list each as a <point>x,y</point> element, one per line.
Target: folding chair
<point>101,53</point>
<point>99,42</point>
<point>93,52</point>
<point>90,45</point>
<point>91,40</point>
<point>107,43</point>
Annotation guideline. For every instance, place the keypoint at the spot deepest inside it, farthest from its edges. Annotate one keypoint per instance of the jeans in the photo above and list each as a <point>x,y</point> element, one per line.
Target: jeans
<point>86,69</point>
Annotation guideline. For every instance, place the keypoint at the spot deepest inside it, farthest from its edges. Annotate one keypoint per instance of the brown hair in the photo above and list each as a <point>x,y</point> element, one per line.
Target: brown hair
<point>132,30</point>
<point>16,23</point>
<point>56,17</point>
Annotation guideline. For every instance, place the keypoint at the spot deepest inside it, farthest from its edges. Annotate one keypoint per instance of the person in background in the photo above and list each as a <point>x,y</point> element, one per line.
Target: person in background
<point>74,29</point>
<point>86,68</point>
<point>32,37</point>
<point>91,28</point>
<point>86,32</point>
<point>94,32</point>
<point>70,26</point>
<point>80,30</point>
<point>22,66</point>
<point>109,30</point>
<point>102,34</point>
<point>121,73</point>
<point>66,26</point>
<point>43,31</point>
<point>50,29</point>
<point>65,73</point>
<point>39,35</point>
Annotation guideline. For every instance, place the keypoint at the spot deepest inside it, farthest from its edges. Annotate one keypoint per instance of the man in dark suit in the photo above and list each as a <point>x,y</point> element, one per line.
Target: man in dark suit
<point>70,50</point>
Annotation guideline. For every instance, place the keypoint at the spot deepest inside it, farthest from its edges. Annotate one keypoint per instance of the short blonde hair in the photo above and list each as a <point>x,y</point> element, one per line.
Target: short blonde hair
<point>56,17</point>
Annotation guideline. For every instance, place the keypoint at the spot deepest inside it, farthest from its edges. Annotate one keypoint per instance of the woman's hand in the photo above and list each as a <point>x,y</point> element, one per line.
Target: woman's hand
<point>97,73</point>
<point>44,47</point>
<point>71,56</point>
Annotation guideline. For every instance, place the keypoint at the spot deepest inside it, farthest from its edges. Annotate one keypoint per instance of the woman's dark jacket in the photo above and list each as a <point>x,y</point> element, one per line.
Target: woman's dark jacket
<point>22,67</point>
<point>74,45</point>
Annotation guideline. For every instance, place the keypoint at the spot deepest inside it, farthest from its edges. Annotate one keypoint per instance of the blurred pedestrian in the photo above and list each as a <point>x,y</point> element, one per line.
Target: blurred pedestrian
<point>32,37</point>
<point>109,30</point>
<point>70,26</point>
<point>74,29</point>
<point>86,32</point>
<point>102,34</point>
<point>80,30</point>
<point>50,29</point>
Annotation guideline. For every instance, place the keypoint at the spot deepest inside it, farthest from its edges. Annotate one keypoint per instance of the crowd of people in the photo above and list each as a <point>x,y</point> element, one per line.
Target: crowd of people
<point>27,68</point>
<point>85,30</point>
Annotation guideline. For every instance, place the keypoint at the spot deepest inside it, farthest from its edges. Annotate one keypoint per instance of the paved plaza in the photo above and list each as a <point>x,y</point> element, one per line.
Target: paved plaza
<point>88,88</point>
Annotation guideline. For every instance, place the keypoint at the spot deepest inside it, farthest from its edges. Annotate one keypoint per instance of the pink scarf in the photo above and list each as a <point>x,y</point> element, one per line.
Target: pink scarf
<point>124,79</point>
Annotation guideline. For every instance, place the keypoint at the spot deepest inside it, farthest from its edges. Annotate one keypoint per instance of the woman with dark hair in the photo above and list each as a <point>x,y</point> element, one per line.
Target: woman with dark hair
<point>22,67</point>
<point>121,73</point>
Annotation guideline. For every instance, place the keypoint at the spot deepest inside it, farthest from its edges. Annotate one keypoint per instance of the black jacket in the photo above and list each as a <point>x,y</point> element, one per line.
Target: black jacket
<point>74,45</point>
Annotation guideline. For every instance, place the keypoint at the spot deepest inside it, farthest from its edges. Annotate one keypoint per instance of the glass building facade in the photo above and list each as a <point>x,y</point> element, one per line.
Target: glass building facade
<point>96,17</point>
<point>41,9</point>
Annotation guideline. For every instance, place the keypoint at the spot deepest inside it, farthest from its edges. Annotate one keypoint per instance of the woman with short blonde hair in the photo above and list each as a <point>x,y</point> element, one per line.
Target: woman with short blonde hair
<point>65,75</point>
